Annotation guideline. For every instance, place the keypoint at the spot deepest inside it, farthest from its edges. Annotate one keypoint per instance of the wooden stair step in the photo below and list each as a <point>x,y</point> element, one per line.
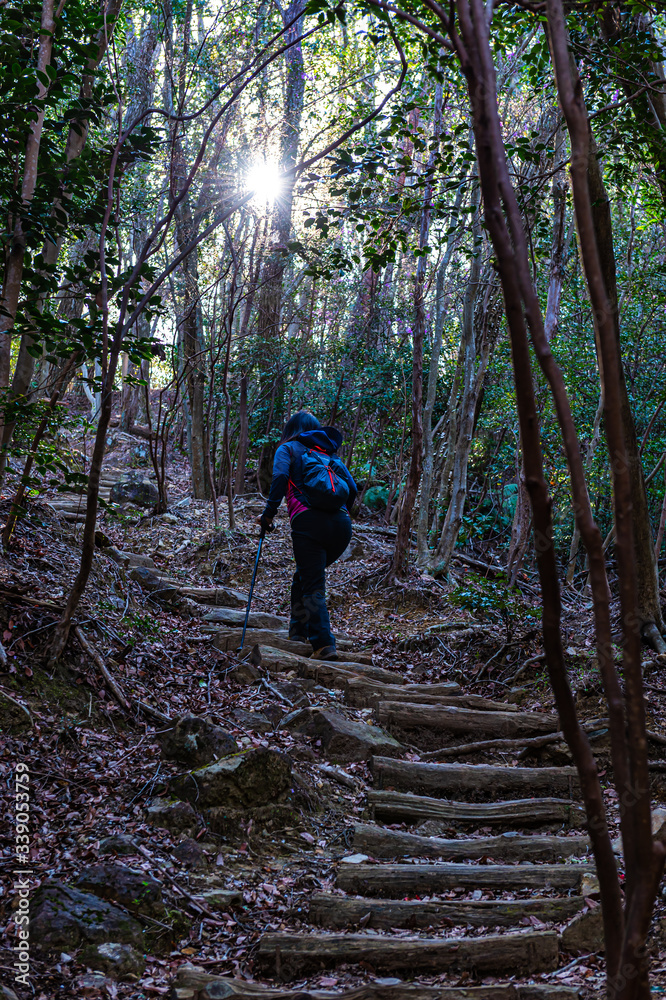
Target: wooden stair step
<point>330,910</point>
<point>478,780</point>
<point>518,953</point>
<point>426,725</point>
<point>234,617</point>
<point>363,693</point>
<point>192,983</point>
<point>331,674</point>
<point>379,842</point>
<point>405,806</point>
<point>395,880</point>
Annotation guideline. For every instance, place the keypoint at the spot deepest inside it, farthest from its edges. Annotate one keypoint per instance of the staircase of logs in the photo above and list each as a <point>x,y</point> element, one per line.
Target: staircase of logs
<point>479,897</point>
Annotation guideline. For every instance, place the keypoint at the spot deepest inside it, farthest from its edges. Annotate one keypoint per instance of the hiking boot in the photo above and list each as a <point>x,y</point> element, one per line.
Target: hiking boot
<point>325,653</point>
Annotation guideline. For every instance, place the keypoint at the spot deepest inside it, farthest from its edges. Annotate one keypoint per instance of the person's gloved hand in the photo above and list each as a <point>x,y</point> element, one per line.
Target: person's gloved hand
<point>265,522</point>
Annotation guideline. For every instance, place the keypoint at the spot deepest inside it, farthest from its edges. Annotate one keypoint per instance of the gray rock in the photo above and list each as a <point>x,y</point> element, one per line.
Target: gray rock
<point>171,814</point>
<point>244,673</point>
<point>135,890</point>
<point>119,961</point>
<point>118,843</point>
<point>584,934</point>
<point>354,550</point>
<point>62,918</point>
<point>342,740</point>
<point>246,780</point>
<point>196,741</point>
<point>223,899</point>
<point>93,984</point>
<point>127,559</point>
<point>135,490</point>
<point>190,854</point>
<point>153,582</point>
<point>256,722</point>
<point>658,820</point>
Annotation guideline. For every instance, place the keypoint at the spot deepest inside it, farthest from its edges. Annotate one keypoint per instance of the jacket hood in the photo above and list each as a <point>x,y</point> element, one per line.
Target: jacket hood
<point>328,438</point>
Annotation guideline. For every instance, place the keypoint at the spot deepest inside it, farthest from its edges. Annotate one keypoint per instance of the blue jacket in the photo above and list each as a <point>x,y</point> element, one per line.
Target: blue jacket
<point>287,471</point>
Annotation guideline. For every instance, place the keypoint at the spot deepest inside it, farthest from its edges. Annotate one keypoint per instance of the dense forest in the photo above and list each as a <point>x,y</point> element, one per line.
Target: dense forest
<point>440,229</point>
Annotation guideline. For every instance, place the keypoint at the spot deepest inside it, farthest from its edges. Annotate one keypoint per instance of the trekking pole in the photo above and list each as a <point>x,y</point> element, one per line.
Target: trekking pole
<point>262,535</point>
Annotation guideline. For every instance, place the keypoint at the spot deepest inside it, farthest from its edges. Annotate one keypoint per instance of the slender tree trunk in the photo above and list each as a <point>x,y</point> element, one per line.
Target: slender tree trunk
<point>191,318</point>
<point>270,295</point>
<point>649,606</point>
<point>76,140</point>
<point>454,513</point>
<point>522,520</point>
<point>441,302</point>
<point>662,526</point>
<point>589,456</point>
<point>644,858</point>
<point>399,562</point>
<point>513,262</point>
<point>243,435</point>
<point>11,287</point>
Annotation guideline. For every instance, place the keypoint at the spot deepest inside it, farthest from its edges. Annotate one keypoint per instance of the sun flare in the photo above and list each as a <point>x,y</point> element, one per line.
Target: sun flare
<point>263,178</point>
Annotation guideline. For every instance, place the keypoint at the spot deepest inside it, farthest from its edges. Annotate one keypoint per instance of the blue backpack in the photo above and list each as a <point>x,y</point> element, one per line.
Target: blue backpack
<point>324,484</point>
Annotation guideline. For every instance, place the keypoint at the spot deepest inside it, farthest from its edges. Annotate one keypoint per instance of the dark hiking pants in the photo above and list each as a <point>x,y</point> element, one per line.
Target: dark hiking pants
<point>319,538</point>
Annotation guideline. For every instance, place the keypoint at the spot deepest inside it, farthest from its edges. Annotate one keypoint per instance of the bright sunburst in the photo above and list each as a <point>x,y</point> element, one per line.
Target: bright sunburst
<point>263,178</point>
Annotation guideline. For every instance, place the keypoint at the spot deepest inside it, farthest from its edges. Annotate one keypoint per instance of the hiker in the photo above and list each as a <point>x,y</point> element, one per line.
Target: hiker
<point>320,493</point>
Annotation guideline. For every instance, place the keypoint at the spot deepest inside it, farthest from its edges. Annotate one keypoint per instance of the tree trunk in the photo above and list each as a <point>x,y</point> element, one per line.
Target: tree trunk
<point>506,228</point>
<point>191,322</point>
<point>441,302</point>
<point>243,437</point>
<point>589,455</point>
<point>270,296</point>
<point>649,606</point>
<point>399,562</point>
<point>76,140</point>
<point>454,513</point>
<point>11,287</point>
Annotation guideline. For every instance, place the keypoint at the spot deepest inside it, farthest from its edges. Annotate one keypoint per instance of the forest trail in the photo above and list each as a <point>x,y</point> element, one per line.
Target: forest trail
<point>387,825</point>
<point>492,876</point>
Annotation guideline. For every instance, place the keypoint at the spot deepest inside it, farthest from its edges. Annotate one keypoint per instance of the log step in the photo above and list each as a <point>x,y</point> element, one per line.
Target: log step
<point>427,726</point>
<point>478,780</point>
<point>329,910</point>
<point>229,639</point>
<point>405,807</point>
<point>192,983</point>
<point>518,954</point>
<point>395,881</point>
<point>363,692</point>
<point>379,842</point>
<point>234,618</point>
<point>278,660</point>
